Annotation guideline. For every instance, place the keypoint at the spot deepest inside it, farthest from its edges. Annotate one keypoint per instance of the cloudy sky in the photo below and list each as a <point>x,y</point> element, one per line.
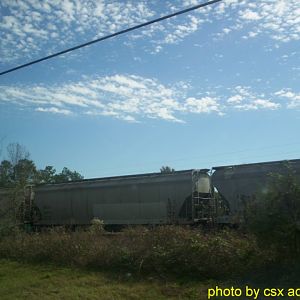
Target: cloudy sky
<point>217,86</point>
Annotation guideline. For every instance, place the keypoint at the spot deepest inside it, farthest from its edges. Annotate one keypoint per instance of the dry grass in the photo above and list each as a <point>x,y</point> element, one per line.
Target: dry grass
<point>164,263</point>
<point>163,251</point>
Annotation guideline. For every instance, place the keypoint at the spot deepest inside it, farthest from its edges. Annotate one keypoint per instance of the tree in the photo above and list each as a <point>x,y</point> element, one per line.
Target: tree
<point>15,174</point>
<point>21,174</point>
<point>67,175</point>
<point>24,172</point>
<point>15,205</point>
<point>47,175</point>
<point>166,169</point>
<point>17,152</point>
<point>275,217</point>
<point>6,174</point>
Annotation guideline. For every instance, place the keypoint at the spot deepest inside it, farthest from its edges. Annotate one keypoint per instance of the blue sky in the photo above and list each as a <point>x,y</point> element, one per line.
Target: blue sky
<point>217,86</point>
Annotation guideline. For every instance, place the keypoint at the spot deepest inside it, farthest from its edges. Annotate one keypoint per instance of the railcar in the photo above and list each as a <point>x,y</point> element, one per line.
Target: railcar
<point>239,184</point>
<point>180,197</point>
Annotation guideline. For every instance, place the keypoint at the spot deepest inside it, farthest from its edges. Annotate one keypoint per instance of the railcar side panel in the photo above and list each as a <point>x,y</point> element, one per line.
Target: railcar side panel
<point>242,183</point>
<point>153,199</point>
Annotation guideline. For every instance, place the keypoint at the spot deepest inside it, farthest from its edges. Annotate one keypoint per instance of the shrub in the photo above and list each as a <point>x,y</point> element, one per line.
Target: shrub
<point>167,250</point>
<point>97,225</point>
<point>274,218</point>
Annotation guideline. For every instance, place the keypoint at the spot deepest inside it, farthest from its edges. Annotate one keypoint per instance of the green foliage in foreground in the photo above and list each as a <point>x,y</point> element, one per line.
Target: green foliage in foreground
<point>163,251</point>
<point>35,282</point>
<point>274,217</point>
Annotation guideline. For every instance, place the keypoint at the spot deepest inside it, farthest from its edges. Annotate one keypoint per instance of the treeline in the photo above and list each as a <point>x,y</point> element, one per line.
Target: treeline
<point>17,169</point>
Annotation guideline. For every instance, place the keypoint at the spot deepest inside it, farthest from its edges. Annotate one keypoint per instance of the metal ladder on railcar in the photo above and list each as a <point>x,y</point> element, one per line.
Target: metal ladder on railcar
<point>204,206</point>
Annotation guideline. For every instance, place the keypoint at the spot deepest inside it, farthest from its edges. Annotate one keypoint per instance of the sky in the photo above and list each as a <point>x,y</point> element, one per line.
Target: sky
<point>217,86</point>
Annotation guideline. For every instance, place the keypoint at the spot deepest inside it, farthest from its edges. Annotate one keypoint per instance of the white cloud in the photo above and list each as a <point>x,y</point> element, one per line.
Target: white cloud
<point>235,99</point>
<point>226,30</point>
<point>263,103</point>
<point>292,97</point>
<point>202,105</point>
<point>246,106</point>
<point>133,98</point>
<point>66,22</point>
<point>250,15</point>
<point>36,28</point>
<point>54,110</point>
<point>179,32</point>
<point>126,97</point>
<point>277,19</point>
<point>244,98</point>
<point>258,104</point>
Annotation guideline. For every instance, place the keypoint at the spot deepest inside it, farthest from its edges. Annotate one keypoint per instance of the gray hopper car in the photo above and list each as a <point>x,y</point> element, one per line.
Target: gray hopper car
<point>239,184</point>
<point>181,197</point>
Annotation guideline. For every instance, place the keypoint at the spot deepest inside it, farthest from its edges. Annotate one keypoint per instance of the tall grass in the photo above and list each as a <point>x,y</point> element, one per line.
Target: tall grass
<point>169,250</point>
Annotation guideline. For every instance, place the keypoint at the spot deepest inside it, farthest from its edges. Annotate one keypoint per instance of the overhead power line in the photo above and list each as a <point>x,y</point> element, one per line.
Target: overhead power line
<point>111,35</point>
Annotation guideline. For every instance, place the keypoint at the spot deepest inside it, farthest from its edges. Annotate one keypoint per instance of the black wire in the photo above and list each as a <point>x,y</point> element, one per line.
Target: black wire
<point>111,35</point>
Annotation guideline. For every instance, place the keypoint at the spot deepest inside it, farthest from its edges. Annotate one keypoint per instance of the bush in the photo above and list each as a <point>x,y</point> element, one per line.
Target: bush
<point>274,218</point>
<point>163,251</point>
<point>97,225</point>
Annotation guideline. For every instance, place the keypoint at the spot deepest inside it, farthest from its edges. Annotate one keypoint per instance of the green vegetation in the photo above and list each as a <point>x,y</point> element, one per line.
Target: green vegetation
<point>163,263</point>
<point>16,173</point>
<point>28,281</point>
<point>167,251</point>
<point>274,217</point>
<point>18,170</point>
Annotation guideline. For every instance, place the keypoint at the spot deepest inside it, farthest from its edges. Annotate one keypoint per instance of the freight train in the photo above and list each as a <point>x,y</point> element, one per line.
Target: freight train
<point>191,197</point>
